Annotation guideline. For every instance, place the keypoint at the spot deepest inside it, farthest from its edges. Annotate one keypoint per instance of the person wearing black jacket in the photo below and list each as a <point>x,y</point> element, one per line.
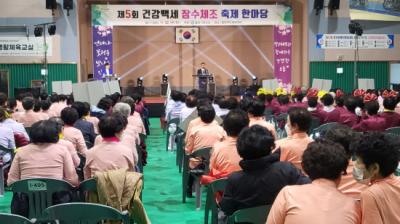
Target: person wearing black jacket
<point>262,175</point>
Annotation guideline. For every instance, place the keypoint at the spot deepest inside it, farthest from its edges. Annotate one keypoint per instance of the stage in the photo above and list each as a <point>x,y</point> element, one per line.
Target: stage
<point>155,104</point>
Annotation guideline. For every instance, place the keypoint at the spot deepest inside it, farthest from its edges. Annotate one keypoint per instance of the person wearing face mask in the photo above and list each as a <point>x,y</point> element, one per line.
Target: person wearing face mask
<point>292,147</point>
<point>345,136</point>
<point>319,202</point>
<point>111,153</point>
<point>377,157</point>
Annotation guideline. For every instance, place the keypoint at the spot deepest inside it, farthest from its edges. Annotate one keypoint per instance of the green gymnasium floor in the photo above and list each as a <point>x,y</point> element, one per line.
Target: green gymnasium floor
<point>162,190</point>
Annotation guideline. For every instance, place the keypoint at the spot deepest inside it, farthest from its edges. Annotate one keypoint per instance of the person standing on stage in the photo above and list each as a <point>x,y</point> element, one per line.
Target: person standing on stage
<point>202,75</point>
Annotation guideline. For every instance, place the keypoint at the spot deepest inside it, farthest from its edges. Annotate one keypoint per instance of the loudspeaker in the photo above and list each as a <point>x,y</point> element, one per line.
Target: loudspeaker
<point>164,88</point>
<point>234,90</point>
<point>211,88</point>
<point>68,4</point>
<point>51,4</point>
<point>318,6</point>
<point>334,4</point>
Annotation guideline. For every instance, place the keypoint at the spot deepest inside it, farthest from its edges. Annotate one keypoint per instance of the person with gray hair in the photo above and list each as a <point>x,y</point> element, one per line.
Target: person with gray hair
<point>122,108</point>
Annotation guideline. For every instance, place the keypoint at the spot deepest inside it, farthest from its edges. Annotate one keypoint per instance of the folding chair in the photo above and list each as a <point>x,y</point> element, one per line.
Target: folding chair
<point>315,123</point>
<point>15,219</point>
<point>322,129</point>
<point>212,188</point>
<point>255,215</point>
<point>40,193</point>
<point>85,213</point>
<point>393,131</point>
<point>203,153</point>
<point>180,149</point>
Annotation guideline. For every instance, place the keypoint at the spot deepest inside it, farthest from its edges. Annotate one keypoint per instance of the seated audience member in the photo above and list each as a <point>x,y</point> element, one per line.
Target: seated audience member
<point>174,105</point>
<point>54,107</point>
<point>111,153</point>
<point>298,99</point>
<point>339,101</point>
<point>43,158</point>
<point>345,136</point>
<point>188,108</point>
<point>6,138</point>
<point>37,106</point>
<point>262,175</point>
<point>373,122</point>
<point>206,133</point>
<point>392,119</point>
<point>377,157</point>
<point>11,105</point>
<point>134,119</point>
<point>139,104</point>
<point>104,107</point>
<point>93,120</point>
<point>329,112</point>
<point>348,117</point>
<point>283,104</point>
<point>319,202</point>
<point>315,112</point>
<point>68,145</point>
<point>84,126</point>
<point>125,110</point>
<point>45,106</point>
<point>17,128</point>
<point>3,100</point>
<point>224,156</point>
<point>70,116</point>
<point>271,104</point>
<point>232,103</point>
<point>217,101</point>
<point>292,147</point>
<point>28,117</point>
<point>256,116</point>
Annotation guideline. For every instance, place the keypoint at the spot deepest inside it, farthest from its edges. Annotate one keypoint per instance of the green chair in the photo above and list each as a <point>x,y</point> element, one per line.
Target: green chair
<point>5,166</point>
<point>315,123</point>
<point>14,219</point>
<point>85,213</point>
<point>204,153</point>
<point>180,150</point>
<point>255,215</point>
<point>393,131</point>
<point>171,122</point>
<point>89,185</point>
<point>40,193</point>
<point>269,114</point>
<point>212,188</point>
<point>322,129</point>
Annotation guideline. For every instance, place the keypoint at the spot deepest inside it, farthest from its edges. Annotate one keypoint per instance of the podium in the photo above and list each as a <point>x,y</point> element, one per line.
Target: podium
<point>196,80</point>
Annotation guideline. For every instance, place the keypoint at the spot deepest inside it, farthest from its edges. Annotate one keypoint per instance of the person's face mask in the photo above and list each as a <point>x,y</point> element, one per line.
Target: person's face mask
<point>359,176</point>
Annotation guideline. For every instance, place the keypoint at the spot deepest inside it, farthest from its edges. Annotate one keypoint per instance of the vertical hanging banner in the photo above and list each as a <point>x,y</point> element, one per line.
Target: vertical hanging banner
<point>102,50</point>
<point>283,53</point>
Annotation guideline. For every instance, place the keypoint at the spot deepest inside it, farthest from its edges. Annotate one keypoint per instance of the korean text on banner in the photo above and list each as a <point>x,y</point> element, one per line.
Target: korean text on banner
<point>191,15</point>
<point>102,50</point>
<point>283,53</point>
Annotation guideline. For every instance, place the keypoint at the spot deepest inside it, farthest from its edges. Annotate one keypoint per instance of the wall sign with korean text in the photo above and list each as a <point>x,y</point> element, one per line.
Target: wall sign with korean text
<point>191,15</point>
<point>24,46</point>
<point>347,41</point>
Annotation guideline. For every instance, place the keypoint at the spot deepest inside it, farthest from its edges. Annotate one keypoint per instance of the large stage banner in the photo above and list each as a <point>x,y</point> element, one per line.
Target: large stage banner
<point>283,53</point>
<point>191,15</point>
<point>102,50</point>
<point>382,10</point>
<point>347,41</point>
<point>24,46</point>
